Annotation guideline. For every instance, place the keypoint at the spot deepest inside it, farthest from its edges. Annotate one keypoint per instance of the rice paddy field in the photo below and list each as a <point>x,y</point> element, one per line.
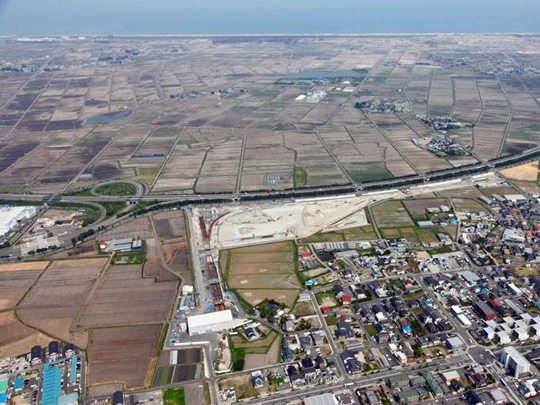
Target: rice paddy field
<point>157,118</point>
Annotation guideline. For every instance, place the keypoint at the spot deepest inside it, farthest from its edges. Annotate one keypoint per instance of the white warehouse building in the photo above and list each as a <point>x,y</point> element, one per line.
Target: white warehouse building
<point>211,322</point>
<point>10,216</point>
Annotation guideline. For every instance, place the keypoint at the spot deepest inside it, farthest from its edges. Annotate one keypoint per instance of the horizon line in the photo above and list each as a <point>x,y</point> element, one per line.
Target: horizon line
<point>329,34</point>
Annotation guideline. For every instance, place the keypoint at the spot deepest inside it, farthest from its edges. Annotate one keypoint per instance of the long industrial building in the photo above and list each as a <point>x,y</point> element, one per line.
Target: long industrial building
<point>211,322</point>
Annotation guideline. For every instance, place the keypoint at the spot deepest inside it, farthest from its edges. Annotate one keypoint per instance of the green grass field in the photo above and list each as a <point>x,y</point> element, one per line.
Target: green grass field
<point>370,329</point>
<point>174,396</point>
<point>117,189</point>
<point>91,215</point>
<point>129,258</point>
<point>415,234</point>
<point>365,172</point>
<point>300,177</point>
<point>112,208</point>
<point>381,76</point>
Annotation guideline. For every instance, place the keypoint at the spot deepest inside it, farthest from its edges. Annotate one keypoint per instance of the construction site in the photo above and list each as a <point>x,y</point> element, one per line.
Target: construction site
<point>231,226</point>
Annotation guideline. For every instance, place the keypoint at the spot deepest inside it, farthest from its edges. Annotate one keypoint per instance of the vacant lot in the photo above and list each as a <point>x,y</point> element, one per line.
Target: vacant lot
<point>489,191</point>
<point>326,299</point>
<point>362,233</point>
<point>139,228</point>
<point>468,205</point>
<point>174,396</point>
<point>265,271</point>
<point>417,208</point>
<point>526,172</point>
<point>391,214</point>
<point>304,308</point>
<point>263,359</point>
<point>153,266</point>
<point>242,385</point>
<point>288,297</point>
<point>465,192</point>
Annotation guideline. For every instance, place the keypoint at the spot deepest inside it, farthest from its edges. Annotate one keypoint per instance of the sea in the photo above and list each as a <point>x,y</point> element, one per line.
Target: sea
<point>199,17</point>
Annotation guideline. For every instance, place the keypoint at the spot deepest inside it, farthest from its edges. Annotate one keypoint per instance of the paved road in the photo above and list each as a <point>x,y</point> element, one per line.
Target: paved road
<point>329,337</point>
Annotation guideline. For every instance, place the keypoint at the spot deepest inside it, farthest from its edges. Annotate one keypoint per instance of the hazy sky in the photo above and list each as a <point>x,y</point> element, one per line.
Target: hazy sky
<point>39,17</point>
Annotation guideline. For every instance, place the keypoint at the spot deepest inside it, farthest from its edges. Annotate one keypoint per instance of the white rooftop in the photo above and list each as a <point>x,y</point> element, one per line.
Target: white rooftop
<point>10,215</point>
<point>469,276</point>
<point>515,197</point>
<point>210,318</point>
<point>323,399</point>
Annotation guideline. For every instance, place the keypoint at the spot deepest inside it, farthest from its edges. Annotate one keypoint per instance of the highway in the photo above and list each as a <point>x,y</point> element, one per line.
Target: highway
<point>172,200</point>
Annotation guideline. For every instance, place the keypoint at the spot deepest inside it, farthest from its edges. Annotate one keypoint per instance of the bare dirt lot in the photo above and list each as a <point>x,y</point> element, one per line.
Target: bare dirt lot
<point>526,172</point>
<point>171,232</point>
<point>255,360</point>
<point>139,228</point>
<point>153,266</point>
